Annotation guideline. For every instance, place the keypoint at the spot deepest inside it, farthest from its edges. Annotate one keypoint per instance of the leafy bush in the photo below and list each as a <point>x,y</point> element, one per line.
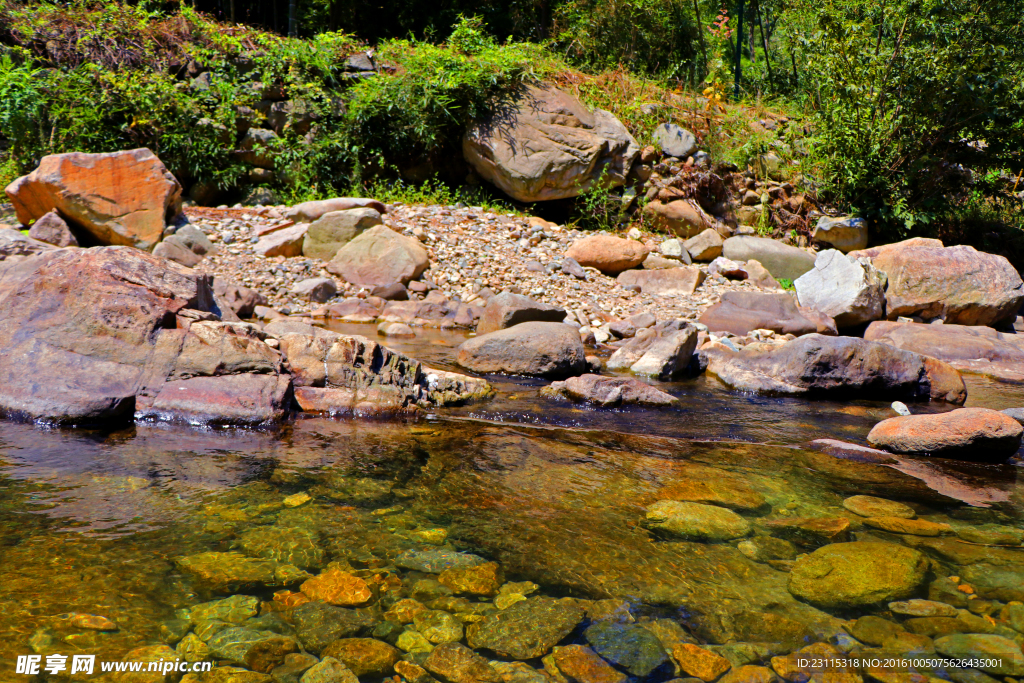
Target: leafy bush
<point>917,98</point>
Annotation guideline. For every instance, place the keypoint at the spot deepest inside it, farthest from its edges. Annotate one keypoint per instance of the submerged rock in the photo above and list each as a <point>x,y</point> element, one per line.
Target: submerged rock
<point>364,656</point>
<point>233,570</point>
<point>437,561</point>
<point>628,646</point>
<point>337,587</point>
<point>527,629</point>
<point>816,364</point>
<point>857,574</point>
<point>456,663</point>
<point>870,506</point>
<point>317,625</point>
<point>580,664</point>
<point>964,434</point>
<point>695,521</point>
<point>1001,656</point>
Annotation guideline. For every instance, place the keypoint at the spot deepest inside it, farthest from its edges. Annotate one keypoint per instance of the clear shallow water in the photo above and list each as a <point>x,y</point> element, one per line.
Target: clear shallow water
<point>95,523</point>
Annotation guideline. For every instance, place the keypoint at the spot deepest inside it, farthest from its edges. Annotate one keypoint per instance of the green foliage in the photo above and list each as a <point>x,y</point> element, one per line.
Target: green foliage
<point>916,99</point>
<point>647,36</point>
<point>786,284</point>
<point>433,192</point>
<point>598,207</point>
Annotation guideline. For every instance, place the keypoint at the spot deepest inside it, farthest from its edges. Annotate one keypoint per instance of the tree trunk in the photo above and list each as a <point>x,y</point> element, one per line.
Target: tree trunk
<point>739,54</point>
<point>700,34</point>
<point>293,29</point>
<point>764,40</point>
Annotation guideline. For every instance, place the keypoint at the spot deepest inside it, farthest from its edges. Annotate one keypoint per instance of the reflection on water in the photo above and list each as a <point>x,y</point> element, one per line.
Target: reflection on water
<point>96,523</point>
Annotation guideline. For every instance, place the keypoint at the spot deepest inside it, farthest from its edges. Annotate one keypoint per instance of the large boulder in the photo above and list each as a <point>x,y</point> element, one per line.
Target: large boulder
<point>664,351</point>
<point>682,217</point>
<point>963,434</point>
<point>884,249</point>
<point>674,140</point>
<point>286,242</point>
<point>844,575</point>
<point>307,212</point>
<point>781,260</point>
<point>547,145</point>
<point>508,309</point>
<point>968,348</point>
<point>608,392</point>
<point>611,255</point>
<point>707,246</point>
<point>117,198</point>
<point>851,292</point>
<point>816,365</point>
<point>542,349</point>
<point>844,233</point>
<point>953,284</point>
<point>741,312</point>
<point>681,281</point>
<point>331,231</point>
<point>102,335</point>
<point>380,256</point>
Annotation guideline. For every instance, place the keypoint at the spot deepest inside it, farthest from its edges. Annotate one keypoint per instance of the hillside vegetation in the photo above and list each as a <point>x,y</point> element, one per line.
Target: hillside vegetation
<point>908,113</point>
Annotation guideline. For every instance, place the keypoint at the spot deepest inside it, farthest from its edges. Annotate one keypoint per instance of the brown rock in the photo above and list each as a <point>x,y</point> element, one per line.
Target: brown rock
<point>580,664</point>
<point>963,434</point>
<point>412,672</point>
<point>886,249</point>
<point>380,256</point>
<point>541,349</point>
<point>241,300</point>
<point>713,486</point>
<point>52,229</point>
<point>742,312</point>
<point>869,506</point>
<point>700,663</point>
<point>546,145</point>
<point>750,674</point>
<point>611,255</point>
<point>955,284</point>
<point>331,231</point>
<point>336,587</point>
<point>14,245</point>
<point>456,663</point>
<point>976,348</point>
<point>118,198</point>
<point>364,656</point>
<point>681,281</point>
<point>508,309</point>
<point>484,579</point>
<point>683,217</point>
<point>816,364</point>
<point>914,527</point>
<point>173,249</point>
<point>405,610</point>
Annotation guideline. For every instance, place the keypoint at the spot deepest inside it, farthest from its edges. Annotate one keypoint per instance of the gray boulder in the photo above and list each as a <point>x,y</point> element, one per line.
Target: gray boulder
<point>195,239</point>
<point>675,141</point>
<point>541,349</point>
<point>307,212</point>
<point>845,366</point>
<point>174,249</point>
<point>547,145</point>
<point>333,230</point>
<point>844,233</point>
<point>851,292</point>
<point>706,246</point>
<point>508,309</point>
<point>15,245</point>
<point>664,351</point>
<point>781,260</point>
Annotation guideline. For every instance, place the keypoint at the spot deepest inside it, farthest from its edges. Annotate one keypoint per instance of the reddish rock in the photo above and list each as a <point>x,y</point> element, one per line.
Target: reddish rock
<point>456,663</point>
<point>700,663</point>
<point>483,579</point>
<point>964,434</point>
<point>610,255</point>
<point>244,399</point>
<point>337,587</point>
<point>886,249</point>
<point>242,301</point>
<point>956,285</point>
<point>118,198</point>
<point>286,242</point>
<point>683,217</point>
<point>580,664</point>
<point>307,212</point>
<point>364,656</point>
<point>810,531</point>
<point>681,281</point>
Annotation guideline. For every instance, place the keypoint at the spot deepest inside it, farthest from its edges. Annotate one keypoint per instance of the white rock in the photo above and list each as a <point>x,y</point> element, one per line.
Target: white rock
<point>850,291</point>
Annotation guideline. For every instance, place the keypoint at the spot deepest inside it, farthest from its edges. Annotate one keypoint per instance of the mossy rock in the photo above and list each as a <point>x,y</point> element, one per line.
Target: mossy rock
<point>856,574</point>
